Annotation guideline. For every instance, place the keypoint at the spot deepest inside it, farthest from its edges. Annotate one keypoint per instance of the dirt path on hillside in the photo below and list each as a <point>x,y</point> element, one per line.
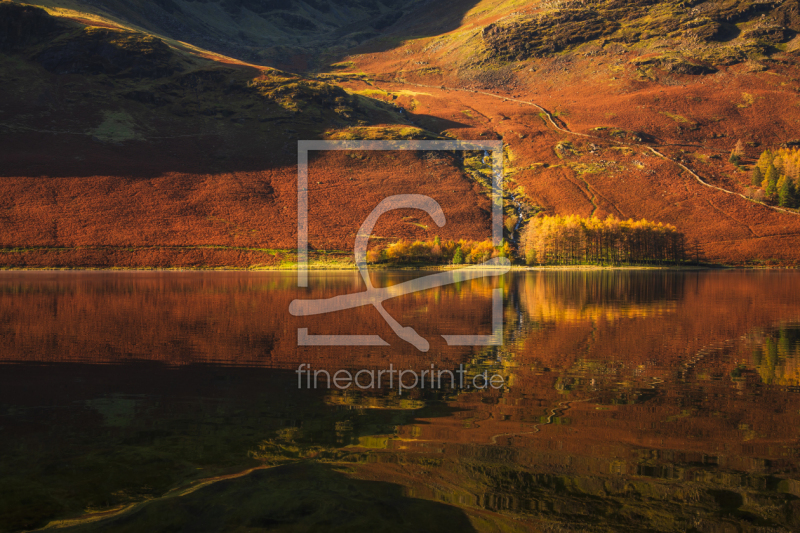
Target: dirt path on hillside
<point>703,182</point>
<point>566,130</point>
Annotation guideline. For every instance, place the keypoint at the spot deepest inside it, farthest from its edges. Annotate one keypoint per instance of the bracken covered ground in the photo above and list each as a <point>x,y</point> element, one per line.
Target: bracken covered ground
<point>123,146</point>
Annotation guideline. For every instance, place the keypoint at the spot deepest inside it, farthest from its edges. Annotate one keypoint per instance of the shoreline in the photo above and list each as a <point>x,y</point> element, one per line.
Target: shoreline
<point>395,268</point>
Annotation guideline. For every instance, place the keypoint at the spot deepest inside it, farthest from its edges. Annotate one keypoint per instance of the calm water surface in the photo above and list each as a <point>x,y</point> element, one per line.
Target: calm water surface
<point>631,401</point>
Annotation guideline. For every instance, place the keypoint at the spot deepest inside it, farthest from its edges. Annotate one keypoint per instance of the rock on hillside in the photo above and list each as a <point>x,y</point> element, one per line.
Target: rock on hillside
<point>721,32</point>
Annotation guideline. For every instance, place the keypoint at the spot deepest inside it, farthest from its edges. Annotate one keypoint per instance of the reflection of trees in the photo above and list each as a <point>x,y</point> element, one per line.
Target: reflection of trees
<point>610,295</point>
<point>776,355</point>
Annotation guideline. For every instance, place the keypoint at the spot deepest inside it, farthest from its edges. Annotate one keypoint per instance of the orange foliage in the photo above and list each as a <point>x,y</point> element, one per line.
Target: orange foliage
<point>573,239</point>
<point>473,252</point>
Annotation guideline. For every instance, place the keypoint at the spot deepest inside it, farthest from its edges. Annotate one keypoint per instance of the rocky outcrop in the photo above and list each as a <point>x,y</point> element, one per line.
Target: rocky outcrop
<point>634,21</point>
<point>674,64</point>
<point>546,35</point>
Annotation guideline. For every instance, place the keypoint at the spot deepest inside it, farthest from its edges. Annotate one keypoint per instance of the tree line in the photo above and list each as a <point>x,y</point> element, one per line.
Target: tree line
<point>570,240</point>
<point>553,240</point>
<point>776,177</point>
<point>439,251</point>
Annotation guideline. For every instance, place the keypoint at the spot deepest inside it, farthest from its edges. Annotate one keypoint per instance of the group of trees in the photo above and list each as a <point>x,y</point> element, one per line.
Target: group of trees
<point>777,174</point>
<point>563,240</point>
<point>576,240</point>
<point>438,251</point>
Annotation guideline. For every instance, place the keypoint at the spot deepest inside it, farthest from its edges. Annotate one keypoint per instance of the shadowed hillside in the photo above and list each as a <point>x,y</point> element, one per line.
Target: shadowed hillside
<point>288,34</point>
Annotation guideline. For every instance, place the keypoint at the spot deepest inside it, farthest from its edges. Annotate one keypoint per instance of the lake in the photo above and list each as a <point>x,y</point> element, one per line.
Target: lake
<point>622,400</point>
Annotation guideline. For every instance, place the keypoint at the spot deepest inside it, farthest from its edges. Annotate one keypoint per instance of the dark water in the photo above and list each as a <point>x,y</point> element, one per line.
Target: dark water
<point>626,401</point>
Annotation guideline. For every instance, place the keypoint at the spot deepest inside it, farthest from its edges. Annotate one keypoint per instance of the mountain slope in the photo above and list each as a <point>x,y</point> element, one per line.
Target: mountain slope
<point>617,108</point>
<point>621,79</point>
<point>121,148</point>
<point>278,33</point>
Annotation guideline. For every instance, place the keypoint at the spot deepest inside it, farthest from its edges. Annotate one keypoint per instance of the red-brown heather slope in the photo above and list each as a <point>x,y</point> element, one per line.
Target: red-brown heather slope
<point>604,92</point>
<point>188,162</point>
<point>164,145</point>
<point>690,98</point>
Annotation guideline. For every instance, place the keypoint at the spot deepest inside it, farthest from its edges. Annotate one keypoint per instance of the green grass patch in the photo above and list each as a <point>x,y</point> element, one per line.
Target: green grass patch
<point>676,117</point>
<point>391,133</point>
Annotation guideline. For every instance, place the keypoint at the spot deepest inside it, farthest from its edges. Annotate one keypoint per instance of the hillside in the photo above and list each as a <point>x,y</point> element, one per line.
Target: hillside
<point>193,109</point>
<point>287,32</point>
<point>121,148</point>
<point>622,108</point>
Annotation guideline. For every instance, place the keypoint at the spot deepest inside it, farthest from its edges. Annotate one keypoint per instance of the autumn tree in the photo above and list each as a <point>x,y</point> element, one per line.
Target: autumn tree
<point>786,192</point>
<point>765,160</point>
<point>792,169</point>
<point>779,163</point>
<point>458,257</point>
<point>770,183</point>
<point>737,153</point>
<point>757,177</point>
<point>436,251</point>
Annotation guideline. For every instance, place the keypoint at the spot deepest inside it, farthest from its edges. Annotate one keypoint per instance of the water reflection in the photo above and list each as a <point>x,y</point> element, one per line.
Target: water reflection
<point>595,295</point>
<point>633,400</point>
<point>775,356</point>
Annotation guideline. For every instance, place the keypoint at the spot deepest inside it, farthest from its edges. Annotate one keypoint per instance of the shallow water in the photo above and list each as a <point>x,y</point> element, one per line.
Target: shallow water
<point>630,400</point>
